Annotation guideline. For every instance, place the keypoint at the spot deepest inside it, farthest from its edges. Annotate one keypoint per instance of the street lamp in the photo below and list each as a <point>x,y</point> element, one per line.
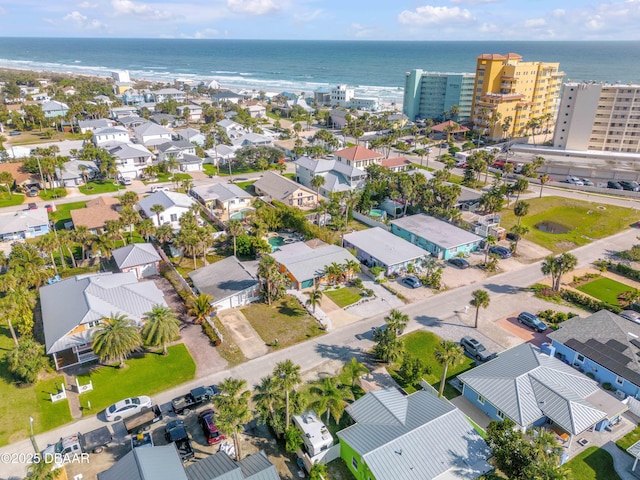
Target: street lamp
<point>33,438</point>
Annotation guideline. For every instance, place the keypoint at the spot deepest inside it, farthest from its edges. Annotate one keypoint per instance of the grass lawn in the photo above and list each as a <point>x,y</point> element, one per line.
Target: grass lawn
<point>210,169</point>
<point>101,186</point>
<point>246,186</point>
<point>184,265</point>
<point>6,201</point>
<point>344,296</point>
<point>629,439</point>
<point>228,349</point>
<point>62,215</point>
<point>285,320</point>
<point>592,464</point>
<point>20,403</point>
<point>52,194</point>
<point>585,220</point>
<point>605,289</point>
<point>145,375</point>
<point>423,345</point>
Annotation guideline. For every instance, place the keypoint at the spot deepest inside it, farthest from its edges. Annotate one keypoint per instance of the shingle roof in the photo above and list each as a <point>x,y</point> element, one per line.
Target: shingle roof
<point>220,191</point>
<point>436,231</point>
<point>22,220</point>
<point>222,279</point>
<point>384,246</point>
<point>414,436</point>
<point>149,463</point>
<point>96,213</point>
<point>526,385</point>
<point>305,263</point>
<point>278,187</point>
<point>134,255</point>
<point>358,153</point>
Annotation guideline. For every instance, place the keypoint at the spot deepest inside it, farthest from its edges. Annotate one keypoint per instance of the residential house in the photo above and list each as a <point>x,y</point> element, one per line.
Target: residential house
<point>397,164</point>
<point>230,282</point>
<point>174,149</point>
<point>192,135</point>
<point>103,99</point>
<point>252,140</point>
<point>96,214</point>
<point>54,109</point>
<point>220,466</point>
<point>232,129</point>
<point>140,258</point>
<point>257,111</point>
<point>304,263</point>
<point>299,102</point>
<point>338,176</point>
<point>190,163</point>
<point>165,94</point>
<point>175,205</point>
<point>220,154</point>
<point>167,120</point>
<point>359,157</point>
<point>68,91</point>
<point>20,176</point>
<point>150,134</point>
<point>75,306</point>
<point>437,237</point>
<point>421,436</point>
<point>224,200</point>
<point>277,187</point>
<point>531,387</point>
<point>131,159</point>
<point>119,112</point>
<point>24,224</point>
<point>148,463</point>
<point>376,247</point>
<point>484,225</point>
<point>338,118</point>
<point>135,97</point>
<point>397,120</point>
<point>93,125</point>
<point>74,172</point>
<point>114,134</point>
<point>195,112</point>
<point>132,121</point>
<point>604,345</point>
<point>226,96</point>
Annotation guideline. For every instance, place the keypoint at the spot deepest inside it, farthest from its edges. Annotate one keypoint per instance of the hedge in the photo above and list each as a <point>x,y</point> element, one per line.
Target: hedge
<point>588,302</point>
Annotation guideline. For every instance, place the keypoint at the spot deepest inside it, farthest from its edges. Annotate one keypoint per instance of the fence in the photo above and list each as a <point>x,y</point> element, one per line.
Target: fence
<point>369,221</point>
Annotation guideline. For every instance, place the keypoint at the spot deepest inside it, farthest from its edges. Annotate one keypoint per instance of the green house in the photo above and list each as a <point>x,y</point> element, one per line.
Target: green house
<point>417,436</point>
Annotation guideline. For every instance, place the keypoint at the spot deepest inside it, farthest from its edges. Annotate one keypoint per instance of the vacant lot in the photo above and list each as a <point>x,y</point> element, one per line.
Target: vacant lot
<point>584,221</point>
<point>605,289</point>
<point>344,296</point>
<point>592,464</point>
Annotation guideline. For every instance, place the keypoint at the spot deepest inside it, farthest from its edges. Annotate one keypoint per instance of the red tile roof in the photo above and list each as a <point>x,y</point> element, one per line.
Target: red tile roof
<point>358,153</point>
<point>395,162</point>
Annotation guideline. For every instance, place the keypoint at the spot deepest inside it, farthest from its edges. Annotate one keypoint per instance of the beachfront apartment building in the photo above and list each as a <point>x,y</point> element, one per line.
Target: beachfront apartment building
<point>599,116</point>
<point>508,88</point>
<point>429,95</point>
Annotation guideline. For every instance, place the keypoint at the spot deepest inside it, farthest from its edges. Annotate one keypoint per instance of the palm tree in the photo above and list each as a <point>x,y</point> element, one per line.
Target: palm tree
<point>331,397</point>
<point>233,408</point>
<point>43,470</point>
<point>448,354</point>
<point>189,242</point>
<point>65,240</point>
<point>6,179</point>
<point>520,186</point>
<point>317,182</point>
<point>201,307</point>
<point>287,375</point>
<point>520,209</point>
<point>480,300</point>
<point>146,228</point>
<point>268,400</point>
<point>187,183</point>
<point>558,266</point>
<point>489,241</point>
<point>272,280</point>
<point>315,296</point>
<point>157,209</point>
<point>318,472</point>
<point>164,233</point>
<point>116,338</point>
<point>397,321</point>
<point>162,327</point>
<point>544,179</point>
<point>354,370</point>
<point>83,236</point>
<point>352,267</point>
<point>235,228</point>
<point>48,244</point>
<point>519,231</point>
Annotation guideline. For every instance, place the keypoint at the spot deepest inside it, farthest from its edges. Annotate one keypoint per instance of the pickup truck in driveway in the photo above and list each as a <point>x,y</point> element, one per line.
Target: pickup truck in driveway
<point>142,421</point>
<point>175,432</point>
<point>69,448</point>
<point>192,399</point>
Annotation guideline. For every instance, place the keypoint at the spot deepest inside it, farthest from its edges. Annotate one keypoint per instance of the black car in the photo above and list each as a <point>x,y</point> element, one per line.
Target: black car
<point>459,262</point>
<point>502,252</point>
<point>514,237</point>
<point>629,185</point>
<point>614,185</point>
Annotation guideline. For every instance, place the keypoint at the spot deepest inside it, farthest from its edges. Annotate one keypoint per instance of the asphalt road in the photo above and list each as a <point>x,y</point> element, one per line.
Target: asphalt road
<point>342,344</point>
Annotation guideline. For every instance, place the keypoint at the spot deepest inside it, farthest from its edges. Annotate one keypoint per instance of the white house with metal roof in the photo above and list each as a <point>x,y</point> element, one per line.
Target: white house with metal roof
<point>436,236</point>
<point>533,388</point>
<point>110,134</point>
<point>378,247</point>
<point>338,176</point>
<point>150,134</point>
<point>24,224</point>
<point>74,307</point>
<point>175,205</point>
<point>140,258</point>
<point>131,158</point>
<point>421,436</point>
<point>224,199</point>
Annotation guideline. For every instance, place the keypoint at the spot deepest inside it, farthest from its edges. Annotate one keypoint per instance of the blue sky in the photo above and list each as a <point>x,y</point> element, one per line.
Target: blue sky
<point>325,19</point>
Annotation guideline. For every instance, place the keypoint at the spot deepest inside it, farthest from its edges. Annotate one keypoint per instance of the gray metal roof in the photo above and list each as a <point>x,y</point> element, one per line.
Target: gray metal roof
<point>135,254</point>
<point>634,450</point>
<point>129,150</point>
<point>605,338</point>
<point>215,467</point>
<point>222,279</point>
<point>258,467</point>
<point>151,129</point>
<point>384,246</point>
<point>323,166</point>
<point>88,298</point>
<point>305,263</point>
<point>151,463</point>
<point>279,187</point>
<point>24,219</point>
<point>166,199</point>
<point>527,384</point>
<point>220,191</point>
<point>414,436</point>
<point>436,231</point>
<point>175,145</point>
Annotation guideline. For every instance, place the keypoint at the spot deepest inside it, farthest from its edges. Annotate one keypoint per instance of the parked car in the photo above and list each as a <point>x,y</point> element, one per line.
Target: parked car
<point>614,185</point>
<point>159,188</point>
<point>48,208</point>
<point>32,206</point>
<point>175,432</point>
<point>127,407</point>
<point>211,432</point>
<point>629,185</point>
<point>513,236</point>
<point>459,262</point>
<point>192,399</point>
<point>33,192</point>
<point>502,252</point>
<point>125,181</point>
<point>532,321</point>
<point>14,133</point>
<point>66,448</point>
<point>586,182</point>
<point>411,281</point>
<point>475,349</point>
<point>630,315</point>
<point>574,180</point>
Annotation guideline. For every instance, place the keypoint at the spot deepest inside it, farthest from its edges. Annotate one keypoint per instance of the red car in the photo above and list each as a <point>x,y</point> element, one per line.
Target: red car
<point>211,432</point>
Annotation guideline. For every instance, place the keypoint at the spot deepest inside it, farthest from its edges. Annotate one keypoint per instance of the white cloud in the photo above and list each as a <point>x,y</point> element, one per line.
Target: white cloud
<point>83,21</point>
<point>207,33</point>
<point>88,5</point>
<point>361,31</point>
<point>535,22</point>
<point>474,2</point>
<point>430,15</point>
<point>306,17</point>
<point>558,12</point>
<point>253,7</point>
<point>127,7</point>
<point>595,23</point>
<point>488,27</point>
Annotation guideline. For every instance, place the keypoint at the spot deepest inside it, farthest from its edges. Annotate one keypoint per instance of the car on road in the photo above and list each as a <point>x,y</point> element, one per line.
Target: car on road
<point>475,349</point>
<point>614,185</point>
<point>587,183</point>
<point>411,281</point>
<point>532,321</point>
<point>502,252</point>
<point>48,208</point>
<point>127,407</point>
<point>14,133</point>
<point>574,180</point>
<point>32,206</point>
<point>631,315</point>
<point>212,435</point>
<point>629,185</point>
<point>159,188</point>
<point>459,262</point>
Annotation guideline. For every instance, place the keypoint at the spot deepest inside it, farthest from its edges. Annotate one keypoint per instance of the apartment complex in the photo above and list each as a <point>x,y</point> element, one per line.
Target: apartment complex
<point>597,116</point>
<point>512,92</point>
<point>431,94</point>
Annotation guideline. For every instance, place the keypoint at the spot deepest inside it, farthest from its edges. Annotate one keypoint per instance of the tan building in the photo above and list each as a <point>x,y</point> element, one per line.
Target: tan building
<point>96,213</point>
<point>359,157</point>
<point>508,88</point>
<point>601,117</point>
<point>276,187</point>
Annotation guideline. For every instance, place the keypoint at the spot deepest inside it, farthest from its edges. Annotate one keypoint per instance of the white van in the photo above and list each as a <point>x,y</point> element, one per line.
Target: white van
<point>159,188</point>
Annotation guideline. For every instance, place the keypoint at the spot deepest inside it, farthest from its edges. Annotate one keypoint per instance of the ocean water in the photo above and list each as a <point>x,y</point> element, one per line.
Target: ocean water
<point>374,68</point>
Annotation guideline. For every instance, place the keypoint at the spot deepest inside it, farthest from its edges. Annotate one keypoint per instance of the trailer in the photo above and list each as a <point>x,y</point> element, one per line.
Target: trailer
<point>142,421</point>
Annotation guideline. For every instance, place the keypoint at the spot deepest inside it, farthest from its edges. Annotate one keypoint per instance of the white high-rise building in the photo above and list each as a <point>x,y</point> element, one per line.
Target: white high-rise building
<point>341,95</point>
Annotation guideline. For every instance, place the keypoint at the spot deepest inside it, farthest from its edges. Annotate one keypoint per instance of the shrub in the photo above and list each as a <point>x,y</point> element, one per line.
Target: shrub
<point>607,386</point>
<point>27,360</point>
<point>211,333</point>
<point>588,302</point>
<point>356,282</point>
<point>633,254</point>
<point>627,271</point>
<point>590,375</point>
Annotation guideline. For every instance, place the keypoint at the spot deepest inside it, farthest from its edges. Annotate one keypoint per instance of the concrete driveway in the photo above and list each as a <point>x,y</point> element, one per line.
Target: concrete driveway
<point>514,327</point>
<point>243,333</point>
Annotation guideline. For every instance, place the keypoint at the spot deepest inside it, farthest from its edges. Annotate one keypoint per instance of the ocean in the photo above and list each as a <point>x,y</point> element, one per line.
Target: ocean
<point>374,68</point>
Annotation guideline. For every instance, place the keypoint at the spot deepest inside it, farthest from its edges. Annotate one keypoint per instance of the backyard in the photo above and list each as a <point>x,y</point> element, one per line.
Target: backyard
<point>344,296</point>
<point>561,224</point>
<point>285,320</point>
<point>605,289</point>
<point>144,375</point>
<point>592,464</point>
<point>99,186</point>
